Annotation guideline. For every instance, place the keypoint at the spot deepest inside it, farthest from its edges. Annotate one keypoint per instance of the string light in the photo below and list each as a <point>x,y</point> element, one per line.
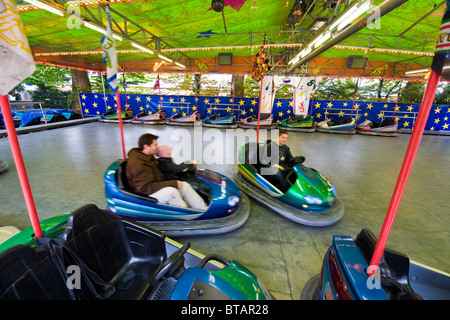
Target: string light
<point>76,53</point>
<point>277,45</point>
<point>383,50</point>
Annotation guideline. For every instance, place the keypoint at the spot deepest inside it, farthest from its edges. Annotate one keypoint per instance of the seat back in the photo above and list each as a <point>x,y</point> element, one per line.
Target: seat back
<point>122,184</point>
<point>29,274</point>
<point>394,267</point>
<point>121,177</point>
<point>122,253</point>
<point>251,155</point>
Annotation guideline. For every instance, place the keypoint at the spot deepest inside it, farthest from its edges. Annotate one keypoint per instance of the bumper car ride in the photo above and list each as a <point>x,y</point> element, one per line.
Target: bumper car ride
<point>300,123</point>
<point>227,210</point>
<point>311,200</point>
<point>265,121</point>
<point>137,263</point>
<point>159,117</point>
<point>387,128</point>
<point>4,166</point>
<point>344,126</point>
<point>344,275</point>
<point>113,116</point>
<point>216,121</point>
<point>179,119</point>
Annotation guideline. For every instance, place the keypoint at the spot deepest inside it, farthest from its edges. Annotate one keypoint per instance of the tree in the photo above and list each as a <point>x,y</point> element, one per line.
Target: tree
<point>443,96</point>
<point>335,89</point>
<point>48,81</point>
<point>80,83</point>
<point>413,92</point>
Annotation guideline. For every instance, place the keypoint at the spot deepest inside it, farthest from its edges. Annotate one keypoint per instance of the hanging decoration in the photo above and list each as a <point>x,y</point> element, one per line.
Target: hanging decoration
<point>261,64</point>
<point>157,65</point>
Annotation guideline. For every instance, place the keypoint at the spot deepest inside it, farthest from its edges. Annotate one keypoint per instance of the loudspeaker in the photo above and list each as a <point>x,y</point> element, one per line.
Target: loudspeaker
<point>225,58</point>
<point>356,62</point>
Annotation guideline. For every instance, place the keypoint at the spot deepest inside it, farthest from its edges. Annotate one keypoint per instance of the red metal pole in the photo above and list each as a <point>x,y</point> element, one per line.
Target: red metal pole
<point>414,142</point>
<point>119,111</point>
<point>18,160</point>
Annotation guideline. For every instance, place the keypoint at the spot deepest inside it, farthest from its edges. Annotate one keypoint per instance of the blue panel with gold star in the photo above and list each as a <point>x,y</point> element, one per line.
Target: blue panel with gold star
<point>95,104</point>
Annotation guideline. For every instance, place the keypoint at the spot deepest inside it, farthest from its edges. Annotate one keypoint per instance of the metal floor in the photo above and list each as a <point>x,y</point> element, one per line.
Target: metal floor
<point>65,167</point>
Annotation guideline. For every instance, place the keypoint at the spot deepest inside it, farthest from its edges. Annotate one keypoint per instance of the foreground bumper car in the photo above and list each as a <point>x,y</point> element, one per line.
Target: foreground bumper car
<point>344,126</point>
<point>228,209</point>
<point>344,275</point>
<point>179,119</point>
<point>145,117</point>
<point>216,121</point>
<point>116,259</point>
<point>387,128</point>
<point>265,121</point>
<point>4,166</point>
<point>299,123</point>
<point>311,200</point>
<point>113,116</point>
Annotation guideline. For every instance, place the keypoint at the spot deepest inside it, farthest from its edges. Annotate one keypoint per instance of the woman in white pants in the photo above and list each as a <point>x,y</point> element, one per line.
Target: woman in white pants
<point>175,196</point>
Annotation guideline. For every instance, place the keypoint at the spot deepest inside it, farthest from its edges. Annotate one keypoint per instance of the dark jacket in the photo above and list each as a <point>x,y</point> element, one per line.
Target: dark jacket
<point>285,158</point>
<point>171,171</point>
<point>143,173</point>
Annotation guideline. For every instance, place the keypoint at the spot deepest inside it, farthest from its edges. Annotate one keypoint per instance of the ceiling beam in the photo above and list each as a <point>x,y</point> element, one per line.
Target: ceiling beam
<point>383,9</point>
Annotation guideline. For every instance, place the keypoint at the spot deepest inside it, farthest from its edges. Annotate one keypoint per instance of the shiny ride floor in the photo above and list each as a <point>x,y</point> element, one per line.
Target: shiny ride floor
<point>65,168</point>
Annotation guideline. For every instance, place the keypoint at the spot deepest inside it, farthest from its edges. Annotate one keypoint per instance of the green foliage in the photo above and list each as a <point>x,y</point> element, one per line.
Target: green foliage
<point>335,89</point>
<point>49,77</point>
<point>443,97</point>
<point>413,92</point>
<point>52,98</point>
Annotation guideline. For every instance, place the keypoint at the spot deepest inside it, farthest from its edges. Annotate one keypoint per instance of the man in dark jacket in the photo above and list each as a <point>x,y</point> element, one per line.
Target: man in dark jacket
<point>285,161</point>
<point>144,176</point>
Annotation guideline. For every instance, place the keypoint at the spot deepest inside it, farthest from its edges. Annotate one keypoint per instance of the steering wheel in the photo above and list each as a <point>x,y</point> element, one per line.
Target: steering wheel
<point>174,262</point>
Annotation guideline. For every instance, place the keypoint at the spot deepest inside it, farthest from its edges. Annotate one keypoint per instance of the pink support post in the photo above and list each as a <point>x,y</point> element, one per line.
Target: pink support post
<point>18,160</point>
<point>410,155</point>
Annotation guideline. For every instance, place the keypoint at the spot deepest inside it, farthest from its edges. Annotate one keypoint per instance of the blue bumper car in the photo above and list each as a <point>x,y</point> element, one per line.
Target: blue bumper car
<point>227,210</point>
<point>216,121</point>
<point>344,274</point>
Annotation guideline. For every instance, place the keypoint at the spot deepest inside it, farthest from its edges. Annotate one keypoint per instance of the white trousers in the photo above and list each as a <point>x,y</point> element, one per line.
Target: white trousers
<point>184,197</point>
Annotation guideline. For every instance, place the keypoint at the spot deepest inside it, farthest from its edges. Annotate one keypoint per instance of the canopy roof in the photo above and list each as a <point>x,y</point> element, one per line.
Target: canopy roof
<point>194,35</point>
